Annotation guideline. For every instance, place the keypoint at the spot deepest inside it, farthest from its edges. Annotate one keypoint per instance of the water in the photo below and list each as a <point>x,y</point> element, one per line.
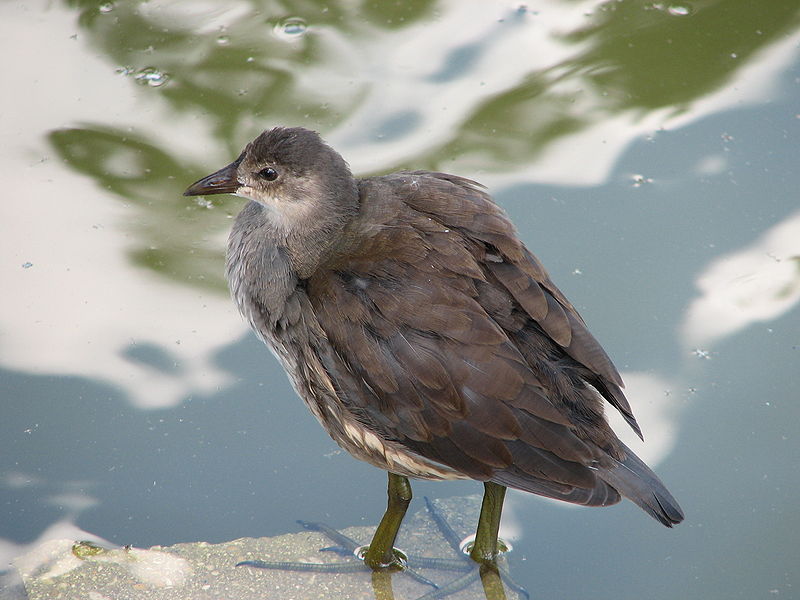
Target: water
<point>654,175</point>
<point>291,28</point>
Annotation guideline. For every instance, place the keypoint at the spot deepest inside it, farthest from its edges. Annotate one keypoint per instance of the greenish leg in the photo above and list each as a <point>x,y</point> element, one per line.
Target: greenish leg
<point>381,553</point>
<point>485,547</point>
<point>382,585</point>
<point>492,582</point>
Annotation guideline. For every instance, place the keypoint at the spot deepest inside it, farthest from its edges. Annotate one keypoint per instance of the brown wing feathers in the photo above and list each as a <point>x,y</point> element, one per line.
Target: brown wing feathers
<point>466,207</point>
<point>466,352</point>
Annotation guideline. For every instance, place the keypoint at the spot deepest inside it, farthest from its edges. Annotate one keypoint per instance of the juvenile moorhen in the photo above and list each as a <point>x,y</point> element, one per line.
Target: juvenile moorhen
<point>423,334</point>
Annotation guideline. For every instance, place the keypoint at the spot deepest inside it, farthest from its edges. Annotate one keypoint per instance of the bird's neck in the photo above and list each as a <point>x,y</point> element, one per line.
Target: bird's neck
<point>259,272</point>
<point>265,261</point>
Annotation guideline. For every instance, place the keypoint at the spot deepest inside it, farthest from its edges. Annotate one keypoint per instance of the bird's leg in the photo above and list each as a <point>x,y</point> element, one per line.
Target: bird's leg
<point>492,581</point>
<point>382,585</point>
<point>485,547</point>
<point>381,553</point>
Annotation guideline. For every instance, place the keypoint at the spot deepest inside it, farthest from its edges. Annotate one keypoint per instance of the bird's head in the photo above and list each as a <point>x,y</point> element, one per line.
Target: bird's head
<point>294,174</point>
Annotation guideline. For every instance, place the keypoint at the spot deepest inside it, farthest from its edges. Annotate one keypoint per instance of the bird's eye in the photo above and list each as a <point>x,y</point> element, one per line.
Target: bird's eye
<point>268,173</point>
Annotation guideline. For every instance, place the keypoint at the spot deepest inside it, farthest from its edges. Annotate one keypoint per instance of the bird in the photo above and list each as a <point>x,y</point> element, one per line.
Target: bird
<point>424,336</point>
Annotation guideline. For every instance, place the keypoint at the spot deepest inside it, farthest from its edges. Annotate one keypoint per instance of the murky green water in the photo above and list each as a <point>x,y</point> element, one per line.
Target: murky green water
<point>647,152</point>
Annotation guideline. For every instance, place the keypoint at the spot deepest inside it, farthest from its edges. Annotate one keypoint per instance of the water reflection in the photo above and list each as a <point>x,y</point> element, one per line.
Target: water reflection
<point>589,83</point>
<point>116,295</point>
<point>758,283</point>
<point>355,73</point>
<point>142,174</point>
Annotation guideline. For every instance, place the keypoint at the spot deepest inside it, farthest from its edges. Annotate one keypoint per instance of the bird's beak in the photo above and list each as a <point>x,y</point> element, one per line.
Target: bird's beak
<point>223,181</point>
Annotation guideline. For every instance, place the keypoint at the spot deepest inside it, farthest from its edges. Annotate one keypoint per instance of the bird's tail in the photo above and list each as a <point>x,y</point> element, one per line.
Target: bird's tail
<point>634,480</point>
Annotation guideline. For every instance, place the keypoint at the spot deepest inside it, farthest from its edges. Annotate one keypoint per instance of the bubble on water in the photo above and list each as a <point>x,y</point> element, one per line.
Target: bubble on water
<point>640,180</point>
<point>291,28</point>
<point>223,40</point>
<point>700,353</point>
<point>679,10</point>
<point>676,10</point>
<point>106,7</point>
<point>150,76</point>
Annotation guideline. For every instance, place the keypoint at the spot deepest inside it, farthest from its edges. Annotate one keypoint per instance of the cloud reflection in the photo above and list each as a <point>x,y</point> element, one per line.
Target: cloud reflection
<point>758,283</point>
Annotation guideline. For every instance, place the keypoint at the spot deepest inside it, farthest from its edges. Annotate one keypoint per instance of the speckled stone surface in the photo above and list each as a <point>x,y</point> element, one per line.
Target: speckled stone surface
<point>202,571</point>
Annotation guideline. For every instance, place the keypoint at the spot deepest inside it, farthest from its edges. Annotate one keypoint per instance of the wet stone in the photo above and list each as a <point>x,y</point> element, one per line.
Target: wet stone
<point>70,569</point>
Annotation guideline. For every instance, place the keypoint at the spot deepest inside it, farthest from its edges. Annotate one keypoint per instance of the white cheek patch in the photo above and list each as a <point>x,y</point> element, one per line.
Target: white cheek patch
<point>245,192</point>
<point>284,214</point>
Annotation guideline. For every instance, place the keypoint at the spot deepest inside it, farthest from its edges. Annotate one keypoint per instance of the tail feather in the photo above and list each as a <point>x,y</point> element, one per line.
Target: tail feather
<point>634,480</point>
<point>602,494</point>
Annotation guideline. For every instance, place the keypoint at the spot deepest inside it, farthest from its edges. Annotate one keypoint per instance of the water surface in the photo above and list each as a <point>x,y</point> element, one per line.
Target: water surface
<point>647,153</point>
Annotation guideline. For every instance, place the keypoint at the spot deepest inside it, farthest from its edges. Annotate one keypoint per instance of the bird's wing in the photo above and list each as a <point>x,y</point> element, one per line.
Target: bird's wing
<point>467,208</point>
<point>417,358</point>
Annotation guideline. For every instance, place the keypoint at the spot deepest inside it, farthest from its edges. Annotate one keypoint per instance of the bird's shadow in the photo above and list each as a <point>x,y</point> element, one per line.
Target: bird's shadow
<point>444,576</point>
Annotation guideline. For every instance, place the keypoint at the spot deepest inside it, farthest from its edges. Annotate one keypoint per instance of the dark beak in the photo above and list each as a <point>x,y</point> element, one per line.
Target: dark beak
<point>223,181</point>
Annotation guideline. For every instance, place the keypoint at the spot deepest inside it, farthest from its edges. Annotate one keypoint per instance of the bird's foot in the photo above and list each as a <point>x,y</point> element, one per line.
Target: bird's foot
<point>492,573</point>
<point>491,569</point>
<point>484,556</point>
<point>346,546</point>
<point>397,560</point>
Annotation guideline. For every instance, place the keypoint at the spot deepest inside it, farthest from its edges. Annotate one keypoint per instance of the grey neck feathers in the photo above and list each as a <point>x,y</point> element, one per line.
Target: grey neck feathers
<point>265,263</point>
<point>258,269</point>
